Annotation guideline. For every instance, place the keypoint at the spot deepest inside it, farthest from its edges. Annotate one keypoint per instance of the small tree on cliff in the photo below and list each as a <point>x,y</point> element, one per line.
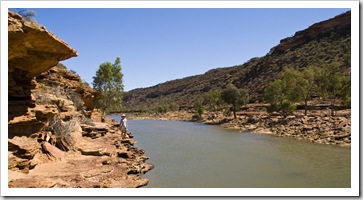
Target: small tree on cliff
<point>235,97</point>
<point>108,83</point>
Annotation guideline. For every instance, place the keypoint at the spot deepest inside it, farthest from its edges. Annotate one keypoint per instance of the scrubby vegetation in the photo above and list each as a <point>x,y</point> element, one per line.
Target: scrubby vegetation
<point>292,74</point>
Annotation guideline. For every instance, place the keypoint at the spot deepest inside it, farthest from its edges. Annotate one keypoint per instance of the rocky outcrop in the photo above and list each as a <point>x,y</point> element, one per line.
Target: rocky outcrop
<point>54,140</point>
<point>32,50</point>
<point>107,161</point>
<point>341,22</point>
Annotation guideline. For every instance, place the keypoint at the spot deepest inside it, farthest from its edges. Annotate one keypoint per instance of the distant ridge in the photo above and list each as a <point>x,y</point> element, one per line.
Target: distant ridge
<point>324,42</point>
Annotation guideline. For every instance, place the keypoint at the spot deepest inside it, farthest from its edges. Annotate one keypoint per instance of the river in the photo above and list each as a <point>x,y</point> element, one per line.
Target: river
<point>194,155</point>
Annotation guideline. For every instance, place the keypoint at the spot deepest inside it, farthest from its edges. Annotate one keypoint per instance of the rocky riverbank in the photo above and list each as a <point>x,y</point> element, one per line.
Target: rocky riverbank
<point>102,158</point>
<point>55,135</point>
<point>316,127</point>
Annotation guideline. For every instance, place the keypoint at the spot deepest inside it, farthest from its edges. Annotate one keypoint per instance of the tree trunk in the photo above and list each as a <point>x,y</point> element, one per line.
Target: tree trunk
<point>306,107</point>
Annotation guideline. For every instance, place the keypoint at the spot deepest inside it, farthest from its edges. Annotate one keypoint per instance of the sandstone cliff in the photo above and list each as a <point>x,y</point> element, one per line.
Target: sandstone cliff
<point>55,136</point>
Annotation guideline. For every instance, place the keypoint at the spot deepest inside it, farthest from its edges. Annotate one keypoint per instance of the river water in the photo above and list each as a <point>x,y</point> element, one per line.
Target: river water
<point>193,155</point>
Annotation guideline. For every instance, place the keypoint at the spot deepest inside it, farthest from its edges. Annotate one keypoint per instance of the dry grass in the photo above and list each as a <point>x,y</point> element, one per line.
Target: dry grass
<point>63,129</point>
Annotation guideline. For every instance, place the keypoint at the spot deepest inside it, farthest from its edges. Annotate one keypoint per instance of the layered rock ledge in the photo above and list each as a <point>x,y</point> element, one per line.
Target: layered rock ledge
<point>106,160</point>
<point>55,134</point>
<point>32,50</point>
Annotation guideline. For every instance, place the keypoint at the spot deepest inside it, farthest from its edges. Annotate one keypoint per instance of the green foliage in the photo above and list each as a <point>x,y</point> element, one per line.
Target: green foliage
<point>109,87</point>
<point>199,109</point>
<point>274,93</point>
<point>333,84</point>
<point>290,85</point>
<point>293,86</point>
<point>227,112</point>
<point>282,92</point>
<point>174,106</point>
<point>345,91</point>
<point>273,107</point>
<point>196,117</point>
<point>235,97</point>
<point>287,108</point>
<point>214,99</point>
<point>327,81</point>
<point>304,84</point>
<point>162,109</point>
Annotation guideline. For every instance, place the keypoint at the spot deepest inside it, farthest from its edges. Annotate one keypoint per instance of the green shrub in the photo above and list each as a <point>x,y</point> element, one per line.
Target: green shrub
<point>161,109</point>
<point>196,117</point>
<point>174,106</point>
<point>199,109</point>
<point>287,108</point>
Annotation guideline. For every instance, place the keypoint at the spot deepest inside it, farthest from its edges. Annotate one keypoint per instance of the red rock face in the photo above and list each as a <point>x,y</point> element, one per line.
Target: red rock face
<point>32,50</point>
<point>51,143</point>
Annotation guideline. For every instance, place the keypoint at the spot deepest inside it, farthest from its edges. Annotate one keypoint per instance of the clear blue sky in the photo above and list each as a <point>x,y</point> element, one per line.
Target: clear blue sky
<point>158,45</point>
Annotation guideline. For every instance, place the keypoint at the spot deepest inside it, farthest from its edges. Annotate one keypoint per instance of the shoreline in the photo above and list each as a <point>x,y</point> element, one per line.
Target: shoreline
<point>102,158</point>
<point>316,127</point>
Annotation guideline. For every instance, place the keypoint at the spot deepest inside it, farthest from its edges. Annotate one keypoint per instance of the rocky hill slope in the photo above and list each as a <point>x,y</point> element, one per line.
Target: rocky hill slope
<point>55,134</point>
<point>319,44</point>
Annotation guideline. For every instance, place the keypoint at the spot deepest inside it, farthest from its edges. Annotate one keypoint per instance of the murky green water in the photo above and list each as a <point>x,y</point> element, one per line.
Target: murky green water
<point>192,155</point>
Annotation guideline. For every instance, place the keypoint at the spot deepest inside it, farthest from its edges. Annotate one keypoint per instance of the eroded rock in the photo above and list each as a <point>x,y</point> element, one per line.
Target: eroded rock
<point>47,106</point>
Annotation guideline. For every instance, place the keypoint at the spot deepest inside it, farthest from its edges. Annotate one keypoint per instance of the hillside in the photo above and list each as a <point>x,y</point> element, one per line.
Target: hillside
<point>321,43</point>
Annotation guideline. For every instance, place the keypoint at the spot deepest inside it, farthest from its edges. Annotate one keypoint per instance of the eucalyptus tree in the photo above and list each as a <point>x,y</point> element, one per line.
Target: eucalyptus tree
<point>333,84</point>
<point>109,87</point>
<point>213,99</point>
<point>282,93</point>
<point>235,97</point>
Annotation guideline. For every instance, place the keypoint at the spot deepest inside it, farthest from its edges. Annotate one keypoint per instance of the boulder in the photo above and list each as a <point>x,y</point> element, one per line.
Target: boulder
<point>53,151</point>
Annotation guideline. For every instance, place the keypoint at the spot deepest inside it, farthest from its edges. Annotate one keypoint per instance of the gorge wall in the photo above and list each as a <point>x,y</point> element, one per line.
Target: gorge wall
<point>31,51</point>
<point>321,43</point>
<point>55,134</point>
